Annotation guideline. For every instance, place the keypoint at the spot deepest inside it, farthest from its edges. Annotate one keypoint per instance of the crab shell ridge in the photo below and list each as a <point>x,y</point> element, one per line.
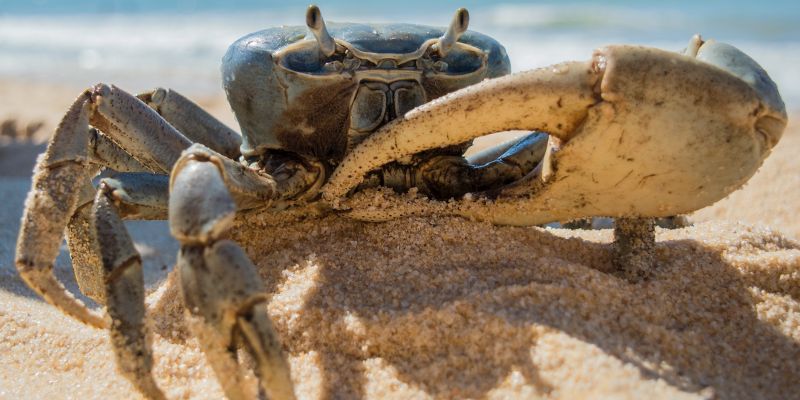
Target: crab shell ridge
<point>283,99</point>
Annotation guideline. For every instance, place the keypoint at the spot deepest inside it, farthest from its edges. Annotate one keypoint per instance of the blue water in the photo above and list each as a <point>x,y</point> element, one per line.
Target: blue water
<point>144,43</point>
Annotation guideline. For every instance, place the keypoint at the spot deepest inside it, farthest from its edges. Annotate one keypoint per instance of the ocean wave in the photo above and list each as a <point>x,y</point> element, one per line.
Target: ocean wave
<point>184,50</point>
<point>652,19</point>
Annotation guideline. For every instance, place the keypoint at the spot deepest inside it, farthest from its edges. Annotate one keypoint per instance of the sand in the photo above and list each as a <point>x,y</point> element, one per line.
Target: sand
<point>448,308</point>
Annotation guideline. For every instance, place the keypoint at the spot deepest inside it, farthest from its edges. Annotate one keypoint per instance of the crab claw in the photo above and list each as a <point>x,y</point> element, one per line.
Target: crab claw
<point>634,132</point>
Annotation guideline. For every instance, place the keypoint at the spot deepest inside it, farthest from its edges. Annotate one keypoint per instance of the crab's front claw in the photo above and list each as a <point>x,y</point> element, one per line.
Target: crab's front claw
<point>671,135</point>
<point>634,132</point>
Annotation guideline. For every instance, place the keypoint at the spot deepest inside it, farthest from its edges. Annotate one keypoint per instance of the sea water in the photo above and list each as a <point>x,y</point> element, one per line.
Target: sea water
<point>139,44</point>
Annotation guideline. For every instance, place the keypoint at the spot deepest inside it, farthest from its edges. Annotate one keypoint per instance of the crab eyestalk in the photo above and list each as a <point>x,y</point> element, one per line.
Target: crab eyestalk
<point>457,28</point>
<point>316,24</point>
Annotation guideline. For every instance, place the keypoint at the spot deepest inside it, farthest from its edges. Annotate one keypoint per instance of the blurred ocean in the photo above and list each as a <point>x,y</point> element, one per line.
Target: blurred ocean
<point>139,44</point>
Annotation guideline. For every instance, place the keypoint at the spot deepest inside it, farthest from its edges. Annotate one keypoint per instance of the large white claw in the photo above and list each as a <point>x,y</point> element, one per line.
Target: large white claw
<point>637,132</point>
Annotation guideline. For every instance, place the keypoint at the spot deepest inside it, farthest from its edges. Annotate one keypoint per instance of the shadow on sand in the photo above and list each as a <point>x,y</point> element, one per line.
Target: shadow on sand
<point>454,316</point>
<point>457,324</point>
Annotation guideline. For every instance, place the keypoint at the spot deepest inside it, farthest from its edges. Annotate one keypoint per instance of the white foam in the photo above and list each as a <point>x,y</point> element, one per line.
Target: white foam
<point>184,51</point>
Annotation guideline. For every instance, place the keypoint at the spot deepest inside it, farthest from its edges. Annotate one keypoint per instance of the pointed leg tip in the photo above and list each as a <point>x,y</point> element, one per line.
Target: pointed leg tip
<point>147,385</point>
<point>45,284</point>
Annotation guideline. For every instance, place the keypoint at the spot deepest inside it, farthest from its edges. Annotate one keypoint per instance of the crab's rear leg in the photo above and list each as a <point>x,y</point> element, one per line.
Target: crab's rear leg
<point>105,153</point>
<point>139,140</point>
<point>223,292</point>
<point>58,180</point>
<point>124,292</point>
<point>193,121</point>
<point>64,171</point>
<point>138,196</point>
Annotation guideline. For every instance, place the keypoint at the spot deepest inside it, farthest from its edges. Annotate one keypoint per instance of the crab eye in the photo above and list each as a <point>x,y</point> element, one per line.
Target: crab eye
<point>459,60</point>
<point>303,59</point>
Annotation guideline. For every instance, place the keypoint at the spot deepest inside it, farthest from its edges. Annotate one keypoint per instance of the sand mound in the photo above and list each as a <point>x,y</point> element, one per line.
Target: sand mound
<point>449,308</point>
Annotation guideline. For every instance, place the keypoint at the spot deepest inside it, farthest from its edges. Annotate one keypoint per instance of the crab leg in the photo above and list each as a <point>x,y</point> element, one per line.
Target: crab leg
<point>86,264</point>
<point>194,122</point>
<point>137,128</point>
<point>635,242</point>
<point>222,290</point>
<point>63,172</point>
<point>140,196</point>
<point>145,198</point>
<point>103,152</point>
<point>51,202</point>
<point>124,294</point>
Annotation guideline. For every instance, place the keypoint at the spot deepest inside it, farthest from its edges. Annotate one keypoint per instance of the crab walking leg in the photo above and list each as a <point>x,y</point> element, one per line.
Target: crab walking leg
<point>137,128</point>
<point>224,294</point>
<point>634,245</point>
<point>143,196</point>
<point>86,264</point>
<point>149,202</point>
<point>225,298</point>
<point>124,294</point>
<point>103,152</point>
<point>67,166</point>
<point>140,196</point>
<point>50,203</point>
<point>193,121</point>
<point>554,100</point>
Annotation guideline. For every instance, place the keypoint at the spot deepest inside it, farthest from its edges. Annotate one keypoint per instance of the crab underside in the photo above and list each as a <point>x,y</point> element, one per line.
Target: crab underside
<point>634,133</point>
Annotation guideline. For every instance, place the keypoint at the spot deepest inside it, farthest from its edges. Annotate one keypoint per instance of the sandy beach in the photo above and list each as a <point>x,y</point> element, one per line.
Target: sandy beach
<point>459,309</point>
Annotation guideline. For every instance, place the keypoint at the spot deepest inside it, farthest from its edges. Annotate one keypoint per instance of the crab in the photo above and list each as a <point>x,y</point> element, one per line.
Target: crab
<point>330,118</point>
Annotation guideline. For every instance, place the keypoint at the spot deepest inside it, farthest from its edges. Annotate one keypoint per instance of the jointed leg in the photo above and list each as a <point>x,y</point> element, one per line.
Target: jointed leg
<point>64,171</point>
<point>50,204</point>
<point>139,196</point>
<point>223,293</point>
<point>634,247</point>
<point>124,293</point>
<point>197,124</point>
<point>107,265</point>
<point>103,152</point>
